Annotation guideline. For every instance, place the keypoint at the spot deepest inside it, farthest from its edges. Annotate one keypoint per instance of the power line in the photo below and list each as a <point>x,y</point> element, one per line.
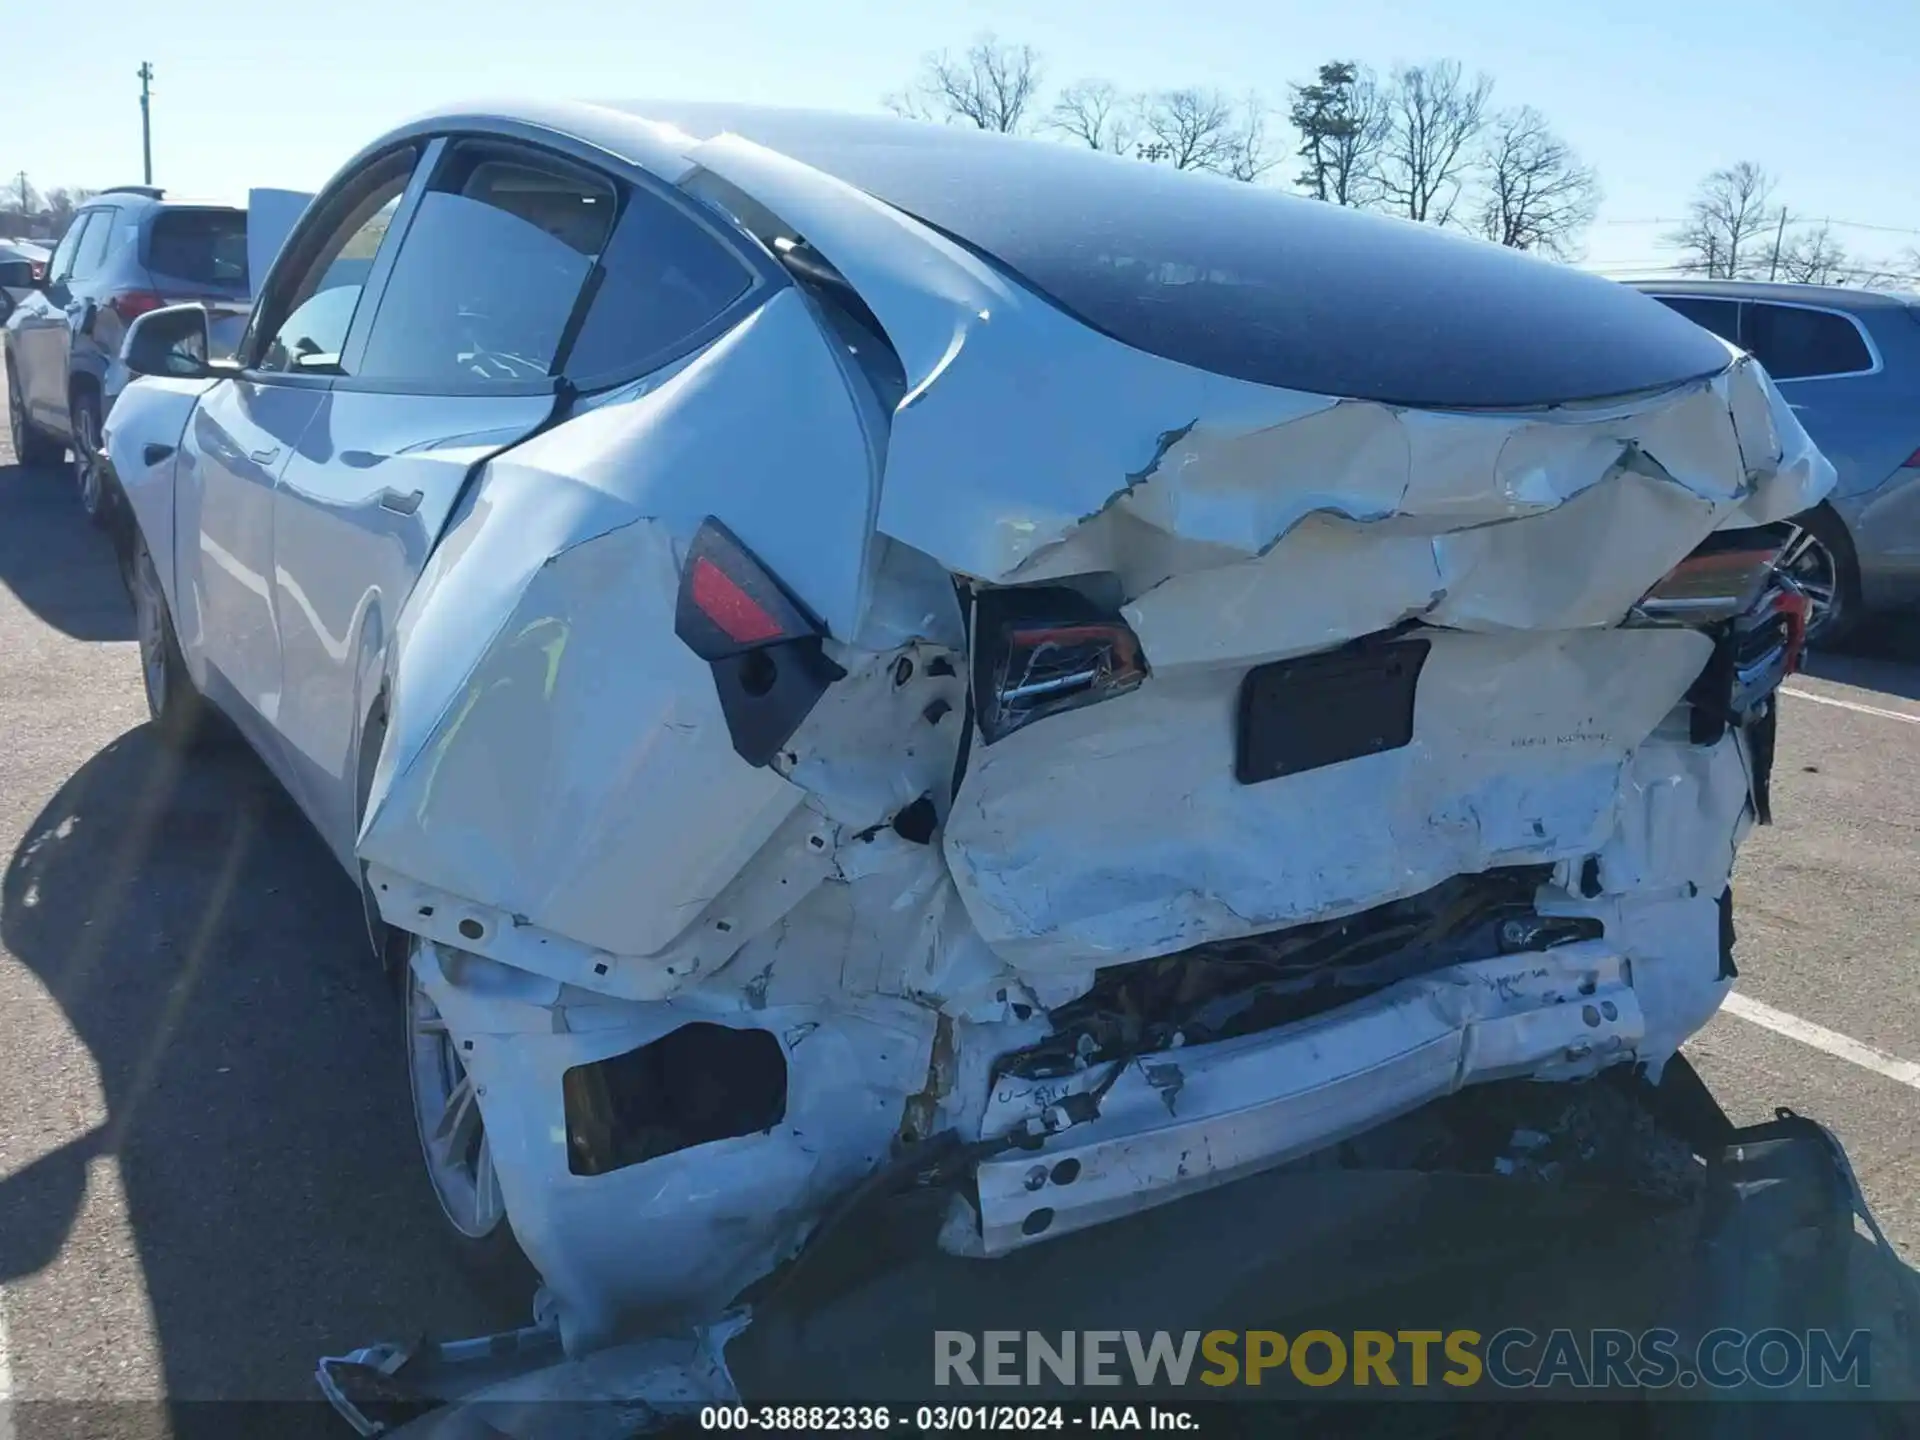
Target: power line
<point>1823,220</point>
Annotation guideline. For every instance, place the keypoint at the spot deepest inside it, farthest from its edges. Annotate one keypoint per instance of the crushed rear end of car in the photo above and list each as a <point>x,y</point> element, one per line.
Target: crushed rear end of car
<point>922,742</point>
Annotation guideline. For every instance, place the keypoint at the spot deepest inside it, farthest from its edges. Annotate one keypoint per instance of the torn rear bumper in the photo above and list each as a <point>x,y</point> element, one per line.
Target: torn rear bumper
<point>1189,1119</point>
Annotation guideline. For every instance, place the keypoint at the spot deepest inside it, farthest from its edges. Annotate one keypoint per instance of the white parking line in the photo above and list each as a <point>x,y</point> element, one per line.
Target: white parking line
<point>1831,1042</point>
<point>1849,705</point>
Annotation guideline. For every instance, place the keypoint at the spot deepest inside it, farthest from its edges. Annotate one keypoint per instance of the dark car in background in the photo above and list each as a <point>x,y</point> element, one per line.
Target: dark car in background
<point>23,265</point>
<point>1848,361</point>
<point>127,251</point>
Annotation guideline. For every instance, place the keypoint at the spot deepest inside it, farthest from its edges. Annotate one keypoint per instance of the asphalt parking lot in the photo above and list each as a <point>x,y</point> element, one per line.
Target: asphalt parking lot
<point>207,1175</point>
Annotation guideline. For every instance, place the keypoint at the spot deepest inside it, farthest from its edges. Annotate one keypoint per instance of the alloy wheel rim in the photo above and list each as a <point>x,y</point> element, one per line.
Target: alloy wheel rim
<point>149,621</point>
<point>1812,566</point>
<point>86,457</point>
<point>446,1111</point>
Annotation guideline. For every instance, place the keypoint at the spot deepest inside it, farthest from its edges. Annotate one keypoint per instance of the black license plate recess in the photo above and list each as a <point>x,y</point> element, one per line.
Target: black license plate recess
<point>1319,710</point>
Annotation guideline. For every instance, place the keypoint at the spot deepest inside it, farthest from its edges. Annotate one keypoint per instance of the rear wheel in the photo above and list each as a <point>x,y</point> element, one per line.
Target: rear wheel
<point>30,447</point>
<point>180,717</point>
<point>1820,560</point>
<point>454,1148</point>
<point>87,460</point>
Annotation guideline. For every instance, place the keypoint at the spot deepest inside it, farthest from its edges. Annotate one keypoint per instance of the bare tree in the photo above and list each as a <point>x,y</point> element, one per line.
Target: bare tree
<point>1728,220</point>
<point>992,86</point>
<point>1249,156</point>
<point>1813,257</point>
<point>1204,130</point>
<point>1188,129</point>
<point>63,200</point>
<point>1434,120</point>
<point>1537,194</point>
<point>1342,124</point>
<point>1096,114</point>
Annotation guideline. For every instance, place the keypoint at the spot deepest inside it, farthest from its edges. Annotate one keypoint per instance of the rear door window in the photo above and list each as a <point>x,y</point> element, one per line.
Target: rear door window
<point>201,247</point>
<point>663,278</point>
<point>1722,317</point>
<point>1800,344</point>
<point>61,265</point>
<point>93,245</point>
<point>490,270</point>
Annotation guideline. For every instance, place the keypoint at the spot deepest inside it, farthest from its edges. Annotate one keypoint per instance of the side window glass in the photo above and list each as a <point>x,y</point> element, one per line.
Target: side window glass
<point>310,337</point>
<point>489,271</point>
<point>61,265</point>
<point>93,245</point>
<point>1797,344</point>
<point>1722,317</point>
<point>663,277</point>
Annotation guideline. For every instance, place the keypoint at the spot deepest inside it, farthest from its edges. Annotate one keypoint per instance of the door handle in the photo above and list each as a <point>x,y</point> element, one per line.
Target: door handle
<point>399,504</point>
<point>267,456</point>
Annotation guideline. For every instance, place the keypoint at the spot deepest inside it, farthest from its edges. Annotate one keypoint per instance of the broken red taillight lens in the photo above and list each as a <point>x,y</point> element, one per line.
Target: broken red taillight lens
<point>1039,652</point>
<point>1794,607</point>
<point>1724,577</point>
<point>769,664</point>
<point>729,603</point>
<point>735,613</point>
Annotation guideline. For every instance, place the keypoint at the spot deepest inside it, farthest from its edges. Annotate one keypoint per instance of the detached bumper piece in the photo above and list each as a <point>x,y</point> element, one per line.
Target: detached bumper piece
<point>517,1385</point>
<point>1189,1119</point>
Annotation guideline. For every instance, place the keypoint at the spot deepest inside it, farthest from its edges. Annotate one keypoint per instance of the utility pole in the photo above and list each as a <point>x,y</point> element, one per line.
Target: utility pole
<point>21,179</point>
<point>146,119</point>
<point>1779,234</point>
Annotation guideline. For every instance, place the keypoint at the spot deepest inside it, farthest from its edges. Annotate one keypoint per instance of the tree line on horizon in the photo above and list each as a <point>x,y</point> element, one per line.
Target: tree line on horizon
<point>1425,142</point>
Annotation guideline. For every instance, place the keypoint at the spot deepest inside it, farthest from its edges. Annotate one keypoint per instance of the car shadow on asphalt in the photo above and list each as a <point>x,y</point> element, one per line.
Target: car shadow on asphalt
<point>212,957</point>
<point>53,564</point>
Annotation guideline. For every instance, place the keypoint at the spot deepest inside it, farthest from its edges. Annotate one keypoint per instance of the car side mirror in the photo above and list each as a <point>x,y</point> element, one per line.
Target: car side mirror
<point>6,305</point>
<point>171,341</point>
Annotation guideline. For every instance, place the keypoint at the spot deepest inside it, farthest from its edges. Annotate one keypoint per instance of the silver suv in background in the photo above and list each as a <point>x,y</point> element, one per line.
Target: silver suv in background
<point>1848,361</point>
<point>128,251</point>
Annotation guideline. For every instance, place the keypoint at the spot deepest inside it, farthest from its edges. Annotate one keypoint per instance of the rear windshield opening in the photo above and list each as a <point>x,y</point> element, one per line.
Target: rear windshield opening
<point>207,247</point>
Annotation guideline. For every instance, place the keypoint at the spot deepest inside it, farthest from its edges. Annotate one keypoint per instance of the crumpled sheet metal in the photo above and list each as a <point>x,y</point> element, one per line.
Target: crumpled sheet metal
<point>543,719</point>
<point>679,1235</point>
<point>1189,1119</point>
<point>1026,435</point>
<point>1516,759</point>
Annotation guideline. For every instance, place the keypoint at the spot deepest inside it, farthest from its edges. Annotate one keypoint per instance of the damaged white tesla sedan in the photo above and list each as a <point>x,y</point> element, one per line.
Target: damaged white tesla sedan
<point>821,637</point>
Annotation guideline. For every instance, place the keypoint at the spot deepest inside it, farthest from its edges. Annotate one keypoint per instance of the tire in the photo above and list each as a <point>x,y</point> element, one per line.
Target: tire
<point>31,448</point>
<point>1822,560</point>
<point>180,717</point>
<point>89,478</point>
<point>456,1160</point>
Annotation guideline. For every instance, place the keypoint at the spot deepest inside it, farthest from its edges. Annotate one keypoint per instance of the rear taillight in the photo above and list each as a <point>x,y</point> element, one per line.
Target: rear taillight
<point>38,269</point>
<point>1041,651</point>
<point>766,652</point>
<point>130,305</point>
<point>1724,577</point>
<point>1792,605</point>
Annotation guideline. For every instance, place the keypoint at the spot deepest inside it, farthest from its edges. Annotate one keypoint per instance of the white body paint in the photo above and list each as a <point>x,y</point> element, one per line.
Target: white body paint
<point>558,806</point>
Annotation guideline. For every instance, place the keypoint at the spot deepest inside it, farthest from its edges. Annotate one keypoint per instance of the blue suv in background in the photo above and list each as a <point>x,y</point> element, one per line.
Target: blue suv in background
<point>128,251</point>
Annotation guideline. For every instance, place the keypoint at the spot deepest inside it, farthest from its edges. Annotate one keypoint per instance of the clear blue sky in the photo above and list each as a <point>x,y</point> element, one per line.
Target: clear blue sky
<point>1652,92</point>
